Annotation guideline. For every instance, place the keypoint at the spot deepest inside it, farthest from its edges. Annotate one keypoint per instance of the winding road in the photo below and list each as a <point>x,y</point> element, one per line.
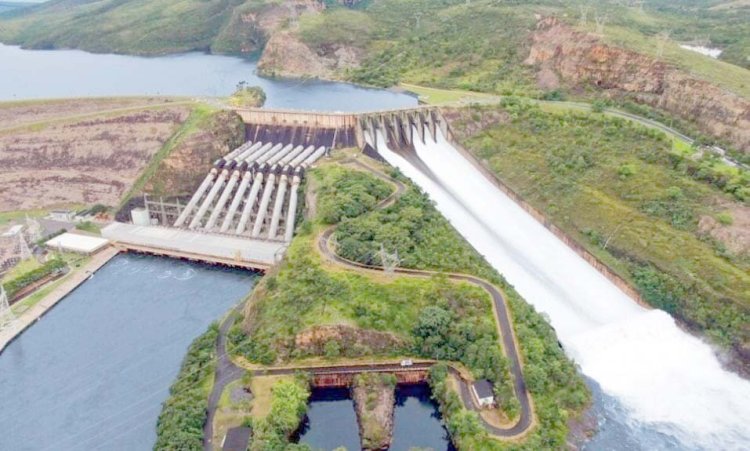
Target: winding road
<point>227,371</point>
<point>500,310</point>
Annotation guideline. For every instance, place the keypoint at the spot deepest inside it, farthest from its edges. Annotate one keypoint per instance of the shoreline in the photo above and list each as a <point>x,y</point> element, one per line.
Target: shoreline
<point>68,285</point>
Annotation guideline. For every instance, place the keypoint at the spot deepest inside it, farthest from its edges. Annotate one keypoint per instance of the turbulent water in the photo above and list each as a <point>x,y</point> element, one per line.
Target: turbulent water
<point>708,51</point>
<point>38,74</point>
<point>652,380</point>
<point>93,372</point>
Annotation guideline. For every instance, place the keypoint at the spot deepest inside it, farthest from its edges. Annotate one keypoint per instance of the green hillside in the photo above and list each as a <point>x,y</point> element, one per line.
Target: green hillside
<point>146,27</point>
<point>476,38</point>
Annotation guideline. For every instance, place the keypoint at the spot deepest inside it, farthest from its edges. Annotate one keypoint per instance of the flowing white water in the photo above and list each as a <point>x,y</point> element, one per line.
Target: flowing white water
<point>703,50</point>
<point>668,381</point>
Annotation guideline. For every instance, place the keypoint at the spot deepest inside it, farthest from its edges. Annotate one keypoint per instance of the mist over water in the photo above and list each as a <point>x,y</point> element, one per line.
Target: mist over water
<point>660,388</point>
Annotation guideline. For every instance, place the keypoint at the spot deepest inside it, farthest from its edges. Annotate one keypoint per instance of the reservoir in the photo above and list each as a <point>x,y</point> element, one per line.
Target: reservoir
<point>44,74</point>
<point>94,371</point>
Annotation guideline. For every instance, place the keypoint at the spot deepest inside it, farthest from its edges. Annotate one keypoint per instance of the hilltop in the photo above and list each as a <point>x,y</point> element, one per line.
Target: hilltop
<point>632,56</point>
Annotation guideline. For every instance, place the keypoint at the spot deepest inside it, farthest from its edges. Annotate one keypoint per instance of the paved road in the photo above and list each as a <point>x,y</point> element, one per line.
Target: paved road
<point>227,371</point>
<point>502,317</point>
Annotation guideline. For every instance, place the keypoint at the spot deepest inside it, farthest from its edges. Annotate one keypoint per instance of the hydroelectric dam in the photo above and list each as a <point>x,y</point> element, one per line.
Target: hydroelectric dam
<point>655,386</point>
<point>245,210</point>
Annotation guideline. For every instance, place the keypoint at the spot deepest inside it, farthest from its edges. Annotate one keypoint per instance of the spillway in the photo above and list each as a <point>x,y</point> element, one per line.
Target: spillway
<point>661,388</point>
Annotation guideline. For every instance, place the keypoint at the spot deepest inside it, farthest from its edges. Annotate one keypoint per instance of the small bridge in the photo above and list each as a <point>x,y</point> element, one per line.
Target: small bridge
<point>343,376</point>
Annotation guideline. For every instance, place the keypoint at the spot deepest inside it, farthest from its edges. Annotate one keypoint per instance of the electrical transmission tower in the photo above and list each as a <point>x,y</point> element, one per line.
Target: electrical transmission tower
<point>21,248</point>
<point>7,318</point>
<point>33,230</point>
<point>13,249</point>
<point>390,261</point>
<point>661,40</point>
<point>601,21</point>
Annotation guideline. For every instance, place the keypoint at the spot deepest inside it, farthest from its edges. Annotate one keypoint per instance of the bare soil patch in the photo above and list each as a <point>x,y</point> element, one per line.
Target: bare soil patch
<point>18,114</point>
<point>84,161</point>
<point>735,236</point>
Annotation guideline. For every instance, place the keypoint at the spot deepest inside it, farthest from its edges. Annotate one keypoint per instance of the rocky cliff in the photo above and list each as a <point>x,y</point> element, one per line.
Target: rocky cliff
<point>581,59</point>
<point>286,55</point>
<point>374,400</point>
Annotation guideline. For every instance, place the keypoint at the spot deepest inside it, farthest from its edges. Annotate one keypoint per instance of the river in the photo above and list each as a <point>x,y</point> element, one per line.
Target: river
<point>94,371</point>
<point>40,74</point>
<point>655,386</point>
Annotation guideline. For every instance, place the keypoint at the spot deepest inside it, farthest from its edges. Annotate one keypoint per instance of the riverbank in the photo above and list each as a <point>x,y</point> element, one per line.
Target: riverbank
<point>67,284</point>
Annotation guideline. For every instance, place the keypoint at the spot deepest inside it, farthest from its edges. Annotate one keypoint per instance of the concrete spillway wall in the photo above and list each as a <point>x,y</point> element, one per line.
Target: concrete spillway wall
<point>297,118</point>
<point>423,123</point>
<point>302,135</point>
<point>337,130</point>
<point>401,127</point>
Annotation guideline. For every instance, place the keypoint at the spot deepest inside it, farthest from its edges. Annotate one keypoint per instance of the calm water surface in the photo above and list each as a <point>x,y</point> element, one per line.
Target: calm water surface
<point>36,74</point>
<point>331,421</point>
<point>93,372</point>
<point>417,422</point>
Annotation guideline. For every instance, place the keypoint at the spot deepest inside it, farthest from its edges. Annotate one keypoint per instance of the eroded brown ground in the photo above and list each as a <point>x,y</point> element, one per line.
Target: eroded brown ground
<point>81,161</point>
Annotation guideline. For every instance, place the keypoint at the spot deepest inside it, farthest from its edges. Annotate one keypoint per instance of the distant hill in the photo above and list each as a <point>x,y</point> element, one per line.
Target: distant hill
<point>10,6</point>
<point>243,26</point>
<point>479,45</point>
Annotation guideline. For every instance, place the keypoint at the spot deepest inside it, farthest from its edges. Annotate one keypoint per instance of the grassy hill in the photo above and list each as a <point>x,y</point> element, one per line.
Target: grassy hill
<point>627,196</point>
<point>146,27</point>
<point>474,39</point>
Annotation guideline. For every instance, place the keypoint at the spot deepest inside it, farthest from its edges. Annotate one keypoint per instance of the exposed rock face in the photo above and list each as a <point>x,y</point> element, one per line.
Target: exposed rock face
<point>184,168</point>
<point>582,59</point>
<point>286,56</point>
<point>374,398</point>
<point>351,341</point>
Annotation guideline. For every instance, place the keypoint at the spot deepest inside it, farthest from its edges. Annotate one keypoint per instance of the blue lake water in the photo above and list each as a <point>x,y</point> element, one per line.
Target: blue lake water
<point>93,372</point>
<point>39,74</point>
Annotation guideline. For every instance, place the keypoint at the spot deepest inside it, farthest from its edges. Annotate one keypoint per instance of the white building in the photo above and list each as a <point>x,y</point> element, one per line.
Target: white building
<point>80,244</point>
<point>483,393</point>
<point>62,215</point>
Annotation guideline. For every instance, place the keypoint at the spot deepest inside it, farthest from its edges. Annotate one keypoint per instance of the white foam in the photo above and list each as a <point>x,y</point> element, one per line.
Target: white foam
<point>708,51</point>
<point>663,376</point>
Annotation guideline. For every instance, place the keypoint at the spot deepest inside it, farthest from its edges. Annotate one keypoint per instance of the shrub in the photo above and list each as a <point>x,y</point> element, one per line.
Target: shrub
<point>288,407</point>
<point>725,218</point>
<point>13,286</point>
<point>183,414</point>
